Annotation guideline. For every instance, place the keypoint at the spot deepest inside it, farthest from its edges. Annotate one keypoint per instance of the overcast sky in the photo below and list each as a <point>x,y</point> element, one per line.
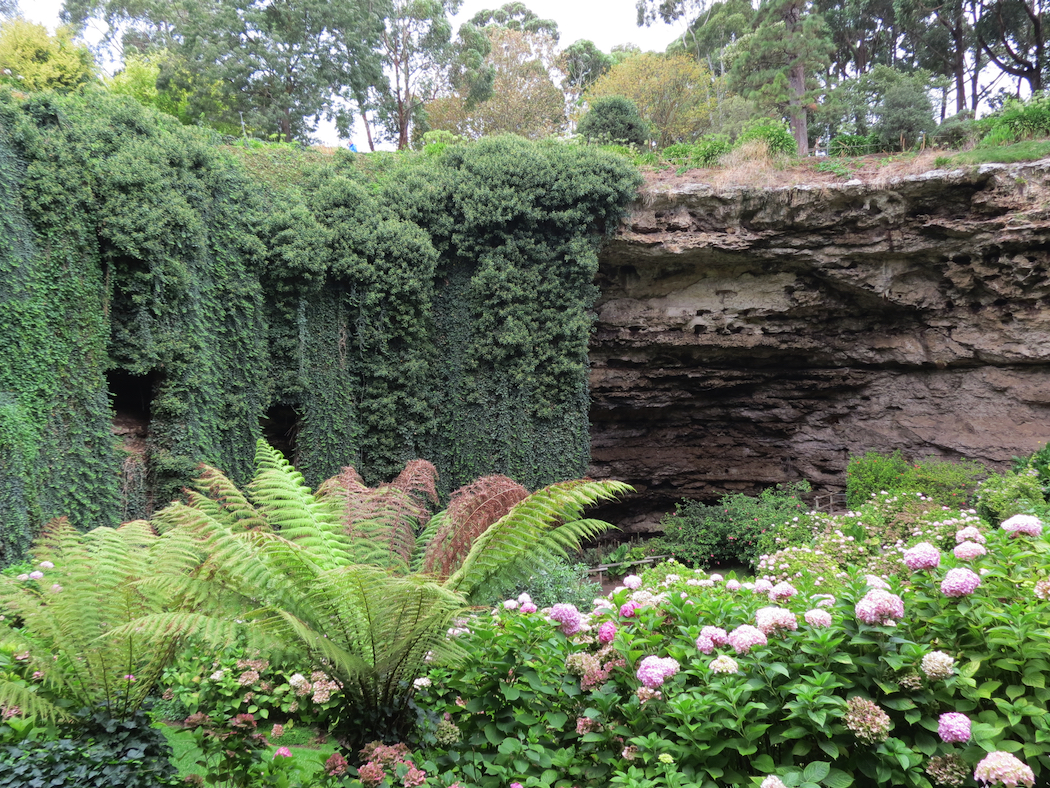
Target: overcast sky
<point>605,22</point>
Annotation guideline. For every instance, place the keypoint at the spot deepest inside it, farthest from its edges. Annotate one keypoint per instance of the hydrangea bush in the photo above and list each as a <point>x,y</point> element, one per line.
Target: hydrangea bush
<point>932,675</point>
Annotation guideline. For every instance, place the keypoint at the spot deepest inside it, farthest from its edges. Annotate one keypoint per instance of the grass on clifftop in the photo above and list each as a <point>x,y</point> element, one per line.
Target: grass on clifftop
<point>1026,150</point>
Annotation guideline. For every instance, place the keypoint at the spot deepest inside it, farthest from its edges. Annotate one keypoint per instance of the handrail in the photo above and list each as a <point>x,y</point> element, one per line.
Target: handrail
<point>601,568</point>
<point>832,503</point>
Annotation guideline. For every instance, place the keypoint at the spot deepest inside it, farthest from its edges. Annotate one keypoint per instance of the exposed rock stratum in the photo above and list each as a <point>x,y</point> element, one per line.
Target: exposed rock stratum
<point>754,336</point>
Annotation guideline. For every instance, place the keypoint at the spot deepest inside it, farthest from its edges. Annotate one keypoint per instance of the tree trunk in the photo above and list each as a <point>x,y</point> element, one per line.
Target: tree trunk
<point>368,132</point>
<point>958,38</point>
<point>799,123</point>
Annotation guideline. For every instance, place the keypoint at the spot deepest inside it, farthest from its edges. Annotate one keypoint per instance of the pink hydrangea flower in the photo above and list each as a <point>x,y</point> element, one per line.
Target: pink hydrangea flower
<point>878,607</point>
<point>1023,524</point>
<point>953,727</point>
<point>510,604</point>
<point>967,551</point>
<point>606,632</point>
<point>762,586</point>
<point>705,645</point>
<point>1042,589</point>
<point>724,664</point>
<point>772,620</point>
<point>745,637</point>
<point>524,598</point>
<point>1003,768</point>
<point>717,635</point>
<point>632,582</point>
<point>282,752</point>
<point>569,617</point>
<point>732,585</point>
<point>969,534</point>
<point>782,591</point>
<point>36,575</point>
<point>874,581</point>
<point>46,565</point>
<point>654,671</point>
<point>818,618</point>
<point>960,582</point>
<point>922,556</point>
<point>528,607</point>
<point>627,610</point>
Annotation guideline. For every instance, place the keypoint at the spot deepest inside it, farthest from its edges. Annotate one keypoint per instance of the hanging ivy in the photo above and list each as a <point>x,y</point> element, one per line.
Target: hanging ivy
<point>431,307</point>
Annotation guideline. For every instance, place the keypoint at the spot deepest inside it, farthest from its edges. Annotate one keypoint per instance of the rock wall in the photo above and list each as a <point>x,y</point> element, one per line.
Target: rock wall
<point>755,336</point>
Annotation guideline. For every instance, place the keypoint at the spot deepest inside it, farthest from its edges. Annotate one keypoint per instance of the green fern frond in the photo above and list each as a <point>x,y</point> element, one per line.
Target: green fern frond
<point>548,520</point>
<point>282,497</point>
<point>221,499</point>
<point>16,695</point>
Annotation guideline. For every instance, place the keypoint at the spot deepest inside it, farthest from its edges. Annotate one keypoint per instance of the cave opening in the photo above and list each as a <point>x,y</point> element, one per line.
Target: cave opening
<point>131,398</point>
<point>280,427</point>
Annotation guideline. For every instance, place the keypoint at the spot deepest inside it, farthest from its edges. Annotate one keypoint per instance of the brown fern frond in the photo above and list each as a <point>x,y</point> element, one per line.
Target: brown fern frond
<point>419,481</point>
<point>382,522</point>
<point>471,510</point>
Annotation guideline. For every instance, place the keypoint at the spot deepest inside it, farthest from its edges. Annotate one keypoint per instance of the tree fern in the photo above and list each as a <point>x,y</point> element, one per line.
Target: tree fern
<point>89,588</point>
<point>548,521</point>
<point>472,509</point>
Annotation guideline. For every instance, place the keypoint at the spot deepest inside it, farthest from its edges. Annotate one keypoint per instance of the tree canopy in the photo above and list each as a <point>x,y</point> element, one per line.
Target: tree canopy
<point>674,93</point>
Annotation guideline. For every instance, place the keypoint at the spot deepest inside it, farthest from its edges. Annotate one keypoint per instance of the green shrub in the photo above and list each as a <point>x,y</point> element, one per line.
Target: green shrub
<point>729,532</point>
<point>775,134</point>
<point>1002,495</point>
<point>532,705</point>
<point>95,751</point>
<point>614,119</point>
<point>957,131</point>
<point>947,482</point>
<point>1019,120</point>
<point>871,473</point>
<point>557,580</point>
<point>905,114</point>
<point>1040,461</point>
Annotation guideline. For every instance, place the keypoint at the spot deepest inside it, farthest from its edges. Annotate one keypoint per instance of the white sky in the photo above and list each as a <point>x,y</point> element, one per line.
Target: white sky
<point>605,22</point>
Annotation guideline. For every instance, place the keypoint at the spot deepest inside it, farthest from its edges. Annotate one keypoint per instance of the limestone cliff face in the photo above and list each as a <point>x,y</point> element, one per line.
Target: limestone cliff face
<point>751,337</point>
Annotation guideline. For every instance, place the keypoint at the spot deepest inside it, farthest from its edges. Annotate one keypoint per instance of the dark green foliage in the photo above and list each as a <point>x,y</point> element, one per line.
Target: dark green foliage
<point>775,134</point>
<point>956,131</point>
<point>614,119</point>
<point>905,114</point>
<point>943,481</point>
<point>729,532</point>
<point>96,751</point>
<point>1040,460</point>
<point>438,309</point>
<point>516,226</point>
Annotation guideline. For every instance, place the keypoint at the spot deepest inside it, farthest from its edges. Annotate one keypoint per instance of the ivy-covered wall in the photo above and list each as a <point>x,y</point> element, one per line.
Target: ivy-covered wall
<point>432,305</point>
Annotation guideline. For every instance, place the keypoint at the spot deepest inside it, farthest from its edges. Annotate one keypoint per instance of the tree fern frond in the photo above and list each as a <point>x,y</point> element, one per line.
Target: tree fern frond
<point>472,509</point>
<point>533,522</point>
<point>386,517</point>
<point>218,491</point>
<point>282,497</point>
<point>18,698</point>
